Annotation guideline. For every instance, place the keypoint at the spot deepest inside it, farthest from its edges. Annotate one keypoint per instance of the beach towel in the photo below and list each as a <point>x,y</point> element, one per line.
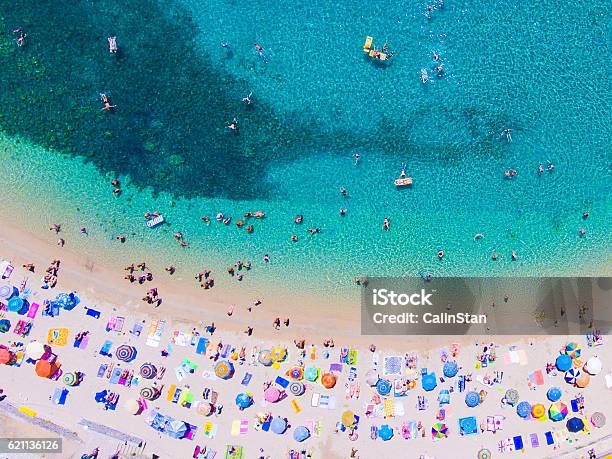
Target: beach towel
<point>314,402</point>
<point>244,426</point>
<point>235,428</point>
<point>393,366</point>
<point>225,351</point>
<point>536,378</point>
<point>180,373</point>
<point>136,329</point>
<point>33,310</point>
<point>92,313</point>
<point>247,379</point>
<point>202,345</point>
<point>549,438</point>
<point>59,396</point>
<point>84,342</point>
<point>281,382</point>
<point>210,429</point>
<point>389,408</point>
<point>116,375</point>
<point>518,443</point>
<point>335,367</point>
<point>535,442</point>
<point>106,347</point>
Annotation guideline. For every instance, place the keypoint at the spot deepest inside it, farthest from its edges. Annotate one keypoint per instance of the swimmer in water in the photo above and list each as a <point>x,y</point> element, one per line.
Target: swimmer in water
<point>436,56</point>
<point>247,100</point>
<point>478,236</point>
<point>298,220</point>
<point>508,133</point>
<point>343,192</point>
<point>314,230</point>
<point>342,212</point>
<point>440,254</point>
<point>540,169</point>
<point>233,126</point>
<point>356,158</point>
<point>550,166</point>
<point>386,224</point>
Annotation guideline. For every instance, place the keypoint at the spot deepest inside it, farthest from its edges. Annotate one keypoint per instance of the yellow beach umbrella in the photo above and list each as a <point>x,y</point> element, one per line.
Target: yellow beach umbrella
<point>279,353</point>
<point>348,418</point>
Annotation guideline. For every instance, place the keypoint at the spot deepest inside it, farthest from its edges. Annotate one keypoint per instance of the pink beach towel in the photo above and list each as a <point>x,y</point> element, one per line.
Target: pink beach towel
<point>33,310</point>
<point>244,426</point>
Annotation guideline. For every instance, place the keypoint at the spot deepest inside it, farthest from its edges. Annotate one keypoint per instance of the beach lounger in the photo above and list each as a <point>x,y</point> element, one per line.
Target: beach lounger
<point>106,347</point>
<point>136,329</point>
<point>296,406</point>
<point>247,379</point>
<point>101,370</point>
<point>315,399</point>
<point>235,428</point>
<point>535,442</point>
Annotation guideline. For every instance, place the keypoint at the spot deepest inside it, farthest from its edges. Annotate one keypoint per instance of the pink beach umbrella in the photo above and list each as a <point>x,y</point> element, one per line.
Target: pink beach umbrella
<point>272,394</point>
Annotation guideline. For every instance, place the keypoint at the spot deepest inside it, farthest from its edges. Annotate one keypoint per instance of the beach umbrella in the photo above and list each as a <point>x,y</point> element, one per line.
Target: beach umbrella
<point>450,369</point>
<point>429,382</point>
<point>523,409</point>
<point>553,394</point>
<point>573,350</point>
<point>265,358</point>
<point>5,325</point>
<point>538,410</point>
<point>132,406</point>
<point>204,408</point>
<point>296,373</point>
<point>484,453</point>
<point>583,380</point>
<point>598,419</point>
<point>272,394</point>
<point>243,400</point>
<point>383,387</point>
<point>148,371</point>
<point>557,411</point>
<point>593,366</point>
<point>279,353</point>
<point>5,356</point>
<point>149,393</point>
<point>512,396</point>
<point>328,380</point>
<point>311,374</point>
<point>224,369</point>
<point>15,304</point>
<point>439,430</point>
<point>70,379</point>
<point>296,388</point>
<point>278,425</point>
<point>468,425</point>
<point>572,375</point>
<point>301,433</point>
<point>35,350</point>
<point>101,396</point>
<point>575,425</point>
<point>7,291</point>
<point>385,432</point>
<point>126,353</point>
<point>46,369</point>
<point>176,429</point>
<point>472,399</point>
<point>563,362</point>
<point>371,377</point>
<point>348,418</point>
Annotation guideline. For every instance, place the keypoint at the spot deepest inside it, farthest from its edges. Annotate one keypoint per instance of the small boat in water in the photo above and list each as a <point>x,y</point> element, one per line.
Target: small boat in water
<point>155,221</point>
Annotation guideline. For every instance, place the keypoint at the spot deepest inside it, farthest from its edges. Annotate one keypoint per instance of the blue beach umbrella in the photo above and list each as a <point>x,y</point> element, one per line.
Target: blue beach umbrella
<point>301,433</point>
<point>429,382</point>
<point>575,425</point>
<point>564,362</point>
<point>383,387</point>
<point>450,369</point>
<point>5,325</point>
<point>468,426</point>
<point>553,394</point>
<point>385,432</point>
<point>101,396</point>
<point>472,399</point>
<point>278,425</point>
<point>523,409</point>
<point>243,400</point>
<point>176,429</point>
<point>15,304</point>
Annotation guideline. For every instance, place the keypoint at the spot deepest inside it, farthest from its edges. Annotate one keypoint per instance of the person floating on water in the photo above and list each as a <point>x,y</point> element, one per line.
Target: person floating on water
<point>247,100</point>
<point>262,52</point>
<point>550,166</point>
<point>106,102</point>
<point>356,158</point>
<point>22,37</point>
<point>540,169</point>
<point>508,134</point>
<point>386,224</point>
<point>343,192</point>
<point>112,45</point>
<point>233,126</point>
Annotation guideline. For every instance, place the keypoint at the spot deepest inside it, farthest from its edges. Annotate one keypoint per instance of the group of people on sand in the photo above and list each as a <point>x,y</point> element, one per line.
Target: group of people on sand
<point>277,323</point>
<point>146,276</point>
<point>203,277</point>
<point>50,277</point>
<point>152,297</point>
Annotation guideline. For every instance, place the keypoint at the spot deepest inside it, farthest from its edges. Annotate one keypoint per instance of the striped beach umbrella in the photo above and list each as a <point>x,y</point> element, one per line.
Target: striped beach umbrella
<point>328,380</point>
<point>573,349</point>
<point>125,353</point>
<point>538,410</point>
<point>150,393</point>
<point>563,362</point>
<point>598,419</point>
<point>296,388</point>
<point>484,453</point>
<point>553,394</point>
<point>571,376</point>
<point>70,379</point>
<point>224,369</point>
<point>296,373</point>
<point>148,371</point>
<point>472,399</point>
<point>265,358</point>
<point>557,411</point>
<point>512,396</point>
<point>439,430</point>
<point>279,354</point>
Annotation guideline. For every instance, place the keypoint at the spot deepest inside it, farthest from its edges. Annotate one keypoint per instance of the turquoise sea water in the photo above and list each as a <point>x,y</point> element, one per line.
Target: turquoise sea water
<point>539,70</point>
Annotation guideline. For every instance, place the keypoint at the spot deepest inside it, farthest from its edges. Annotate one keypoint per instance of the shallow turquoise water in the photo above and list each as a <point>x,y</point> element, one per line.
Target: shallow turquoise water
<point>539,70</point>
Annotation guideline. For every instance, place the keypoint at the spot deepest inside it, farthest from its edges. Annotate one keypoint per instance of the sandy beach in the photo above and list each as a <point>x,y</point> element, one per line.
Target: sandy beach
<point>102,288</point>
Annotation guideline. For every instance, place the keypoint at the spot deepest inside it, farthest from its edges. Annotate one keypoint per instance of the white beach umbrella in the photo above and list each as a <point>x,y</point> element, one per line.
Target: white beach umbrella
<point>35,350</point>
<point>593,366</point>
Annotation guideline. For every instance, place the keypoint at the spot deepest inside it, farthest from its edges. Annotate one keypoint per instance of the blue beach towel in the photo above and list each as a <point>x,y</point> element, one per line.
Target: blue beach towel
<point>116,375</point>
<point>518,443</point>
<point>92,313</point>
<point>549,438</point>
